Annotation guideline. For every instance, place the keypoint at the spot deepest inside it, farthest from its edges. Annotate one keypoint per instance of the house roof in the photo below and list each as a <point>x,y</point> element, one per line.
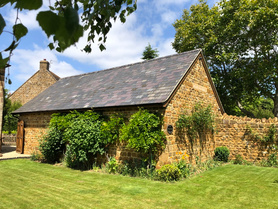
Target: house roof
<point>56,77</point>
<point>142,83</point>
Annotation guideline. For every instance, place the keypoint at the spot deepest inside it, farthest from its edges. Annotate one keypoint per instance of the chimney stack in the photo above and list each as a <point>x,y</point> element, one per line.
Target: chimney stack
<point>44,65</point>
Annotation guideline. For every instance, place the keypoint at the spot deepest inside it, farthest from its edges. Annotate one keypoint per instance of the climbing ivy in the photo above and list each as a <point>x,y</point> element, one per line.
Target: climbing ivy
<point>143,132</point>
<point>198,123</point>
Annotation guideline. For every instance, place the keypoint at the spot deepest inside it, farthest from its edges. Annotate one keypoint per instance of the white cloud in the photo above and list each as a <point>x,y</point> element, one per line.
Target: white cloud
<point>26,62</point>
<point>125,44</point>
<point>165,48</point>
<point>169,17</point>
<point>172,2</point>
<point>26,18</point>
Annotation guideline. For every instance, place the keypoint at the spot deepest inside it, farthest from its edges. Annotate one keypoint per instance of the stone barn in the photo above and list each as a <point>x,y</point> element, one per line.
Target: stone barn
<point>169,85</point>
<point>36,84</point>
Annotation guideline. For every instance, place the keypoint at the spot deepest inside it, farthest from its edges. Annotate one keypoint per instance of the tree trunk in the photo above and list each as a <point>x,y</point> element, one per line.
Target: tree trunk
<point>2,79</point>
<point>246,112</point>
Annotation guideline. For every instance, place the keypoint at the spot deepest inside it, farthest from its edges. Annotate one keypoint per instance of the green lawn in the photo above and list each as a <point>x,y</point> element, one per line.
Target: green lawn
<point>27,184</point>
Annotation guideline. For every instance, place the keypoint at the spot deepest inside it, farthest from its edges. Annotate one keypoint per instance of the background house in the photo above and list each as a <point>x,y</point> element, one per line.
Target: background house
<point>36,84</point>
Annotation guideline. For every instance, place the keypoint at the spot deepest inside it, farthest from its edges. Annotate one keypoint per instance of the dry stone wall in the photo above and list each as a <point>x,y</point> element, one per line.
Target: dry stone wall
<point>234,133</point>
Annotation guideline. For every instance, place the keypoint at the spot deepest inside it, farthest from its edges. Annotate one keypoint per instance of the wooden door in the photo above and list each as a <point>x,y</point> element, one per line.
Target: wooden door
<point>20,137</point>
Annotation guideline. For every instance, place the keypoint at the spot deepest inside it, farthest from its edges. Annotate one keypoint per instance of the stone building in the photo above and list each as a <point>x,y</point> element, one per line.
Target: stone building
<point>36,84</point>
<point>169,85</point>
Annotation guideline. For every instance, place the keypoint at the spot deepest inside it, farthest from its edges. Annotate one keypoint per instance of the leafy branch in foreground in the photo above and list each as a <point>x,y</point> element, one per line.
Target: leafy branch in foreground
<point>62,23</point>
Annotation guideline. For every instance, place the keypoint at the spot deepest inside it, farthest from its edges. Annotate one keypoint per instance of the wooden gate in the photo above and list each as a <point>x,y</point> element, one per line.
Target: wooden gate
<point>20,137</point>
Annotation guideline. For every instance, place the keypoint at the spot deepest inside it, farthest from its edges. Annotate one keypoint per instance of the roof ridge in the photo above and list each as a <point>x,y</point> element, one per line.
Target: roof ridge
<point>136,63</point>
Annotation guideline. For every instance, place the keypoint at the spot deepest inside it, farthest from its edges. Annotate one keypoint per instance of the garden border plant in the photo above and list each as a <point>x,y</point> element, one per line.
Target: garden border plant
<point>87,134</point>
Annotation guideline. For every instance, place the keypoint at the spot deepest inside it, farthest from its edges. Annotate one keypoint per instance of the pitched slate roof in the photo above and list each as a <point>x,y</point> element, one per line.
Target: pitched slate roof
<point>148,82</point>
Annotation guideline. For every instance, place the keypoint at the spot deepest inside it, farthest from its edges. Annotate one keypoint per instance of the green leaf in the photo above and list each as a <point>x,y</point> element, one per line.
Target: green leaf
<point>71,19</point>
<point>4,2</point>
<point>49,22</point>
<point>28,4</point>
<point>2,24</point>
<point>102,47</point>
<point>3,62</point>
<point>51,46</point>
<point>19,31</point>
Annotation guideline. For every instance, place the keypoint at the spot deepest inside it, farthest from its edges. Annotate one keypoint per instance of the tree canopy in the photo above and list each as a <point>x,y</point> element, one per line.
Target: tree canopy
<point>149,53</point>
<point>62,23</point>
<point>239,39</point>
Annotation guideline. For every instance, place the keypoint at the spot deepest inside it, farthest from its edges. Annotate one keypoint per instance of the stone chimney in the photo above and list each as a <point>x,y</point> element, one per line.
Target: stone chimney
<point>44,65</point>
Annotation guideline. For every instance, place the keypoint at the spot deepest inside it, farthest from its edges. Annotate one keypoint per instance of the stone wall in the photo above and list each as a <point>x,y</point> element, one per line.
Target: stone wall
<point>197,87</point>
<point>35,126</point>
<point>40,81</point>
<point>233,132</point>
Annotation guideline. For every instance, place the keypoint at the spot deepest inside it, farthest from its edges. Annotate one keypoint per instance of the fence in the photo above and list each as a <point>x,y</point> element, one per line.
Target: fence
<point>8,139</point>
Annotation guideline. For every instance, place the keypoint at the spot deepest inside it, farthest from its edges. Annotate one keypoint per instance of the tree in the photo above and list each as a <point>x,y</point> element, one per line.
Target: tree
<point>10,120</point>
<point>61,22</point>
<point>149,53</point>
<point>239,39</point>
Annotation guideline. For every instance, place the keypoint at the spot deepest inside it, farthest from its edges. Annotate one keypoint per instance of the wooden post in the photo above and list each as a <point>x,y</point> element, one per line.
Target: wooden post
<point>2,80</point>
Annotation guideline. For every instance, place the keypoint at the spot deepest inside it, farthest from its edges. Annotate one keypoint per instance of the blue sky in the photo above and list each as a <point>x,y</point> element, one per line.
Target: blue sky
<point>150,23</point>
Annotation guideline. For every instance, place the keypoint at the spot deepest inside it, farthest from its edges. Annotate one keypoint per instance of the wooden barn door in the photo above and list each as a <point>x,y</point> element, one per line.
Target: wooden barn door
<point>20,137</point>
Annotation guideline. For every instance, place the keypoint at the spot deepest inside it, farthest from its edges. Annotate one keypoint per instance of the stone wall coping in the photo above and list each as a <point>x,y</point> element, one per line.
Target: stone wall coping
<point>245,119</point>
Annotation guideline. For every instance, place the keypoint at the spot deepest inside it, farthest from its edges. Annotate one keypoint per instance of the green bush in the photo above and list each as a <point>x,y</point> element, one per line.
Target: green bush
<point>35,156</point>
<point>52,146</point>
<point>221,154</point>
<point>84,140</point>
<point>184,168</point>
<point>272,160</point>
<point>169,172</point>
<point>112,165</point>
<point>143,132</point>
<point>110,129</point>
<point>239,160</point>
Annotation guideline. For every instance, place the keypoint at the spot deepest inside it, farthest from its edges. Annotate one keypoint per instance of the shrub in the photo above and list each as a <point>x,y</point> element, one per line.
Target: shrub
<point>143,132</point>
<point>52,146</point>
<point>239,160</point>
<point>112,165</point>
<point>110,129</point>
<point>35,156</point>
<point>84,140</point>
<point>136,168</point>
<point>272,160</point>
<point>184,168</point>
<point>169,172</point>
<point>221,154</point>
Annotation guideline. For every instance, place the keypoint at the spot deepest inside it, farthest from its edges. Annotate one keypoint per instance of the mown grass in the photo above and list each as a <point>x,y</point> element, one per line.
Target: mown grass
<point>27,184</point>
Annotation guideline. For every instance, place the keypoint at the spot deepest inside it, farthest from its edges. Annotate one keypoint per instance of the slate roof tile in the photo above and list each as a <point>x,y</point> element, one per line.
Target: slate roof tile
<point>148,82</point>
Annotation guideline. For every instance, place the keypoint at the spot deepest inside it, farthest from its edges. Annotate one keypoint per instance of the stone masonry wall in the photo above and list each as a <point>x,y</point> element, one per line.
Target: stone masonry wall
<point>40,81</point>
<point>233,132</point>
<point>195,88</point>
<point>35,126</point>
